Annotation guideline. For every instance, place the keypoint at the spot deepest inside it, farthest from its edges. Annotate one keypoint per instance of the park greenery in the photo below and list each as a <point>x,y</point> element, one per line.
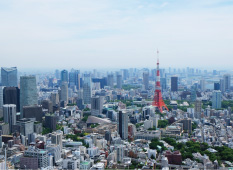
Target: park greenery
<point>156,144</point>
<point>94,125</point>
<point>129,87</point>
<point>194,125</point>
<point>46,131</point>
<point>162,123</point>
<point>138,125</point>
<point>227,103</point>
<point>223,153</point>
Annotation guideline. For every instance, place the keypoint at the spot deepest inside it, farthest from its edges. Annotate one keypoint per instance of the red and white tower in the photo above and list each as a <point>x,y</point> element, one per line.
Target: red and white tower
<point>158,99</point>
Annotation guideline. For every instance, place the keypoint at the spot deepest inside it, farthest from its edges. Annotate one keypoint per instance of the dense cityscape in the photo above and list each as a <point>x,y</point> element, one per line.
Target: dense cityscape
<point>126,119</point>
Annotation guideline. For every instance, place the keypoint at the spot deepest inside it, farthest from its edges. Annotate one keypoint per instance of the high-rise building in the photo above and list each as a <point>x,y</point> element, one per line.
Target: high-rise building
<point>1,96</point>
<point>9,115</point>
<point>57,74</point>
<point>227,81</point>
<point>197,109</point>
<point>202,85</point>
<point>110,80</point>
<point>97,105</point>
<point>9,77</point>
<point>122,124</point>
<point>87,91</point>
<point>163,82</point>
<point>33,112</point>
<point>222,85</point>
<point>102,81</point>
<point>50,121</point>
<point>47,104</point>
<point>11,96</point>
<point>28,92</point>
<point>40,155</point>
<point>54,97</point>
<point>56,138</point>
<point>216,99</point>
<point>64,92</point>
<point>146,80</point>
<point>119,81</point>
<point>64,75</point>
<point>216,86</point>
<point>25,126</point>
<point>193,93</point>
<point>125,74</point>
<point>120,152</point>
<point>74,79</point>
<point>174,83</point>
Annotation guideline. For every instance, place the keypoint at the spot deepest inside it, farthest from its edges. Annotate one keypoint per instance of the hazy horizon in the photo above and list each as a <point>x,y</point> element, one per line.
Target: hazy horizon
<point>42,34</point>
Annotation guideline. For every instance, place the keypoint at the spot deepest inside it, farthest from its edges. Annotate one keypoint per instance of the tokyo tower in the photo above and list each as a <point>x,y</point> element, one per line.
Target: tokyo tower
<point>158,99</point>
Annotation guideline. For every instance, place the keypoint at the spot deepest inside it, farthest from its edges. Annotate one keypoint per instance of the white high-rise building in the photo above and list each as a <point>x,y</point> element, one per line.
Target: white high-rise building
<point>217,99</point>
<point>9,114</point>
<point>202,85</point>
<point>87,91</point>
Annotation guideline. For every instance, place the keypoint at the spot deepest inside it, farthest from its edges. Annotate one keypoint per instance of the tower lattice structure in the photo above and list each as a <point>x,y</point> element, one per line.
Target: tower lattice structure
<point>158,99</point>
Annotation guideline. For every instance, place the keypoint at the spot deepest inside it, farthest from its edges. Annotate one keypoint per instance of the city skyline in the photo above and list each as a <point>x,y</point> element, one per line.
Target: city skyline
<point>54,34</point>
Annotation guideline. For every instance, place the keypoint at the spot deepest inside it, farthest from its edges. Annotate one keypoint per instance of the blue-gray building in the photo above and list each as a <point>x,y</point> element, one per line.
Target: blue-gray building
<point>28,92</point>
<point>9,77</point>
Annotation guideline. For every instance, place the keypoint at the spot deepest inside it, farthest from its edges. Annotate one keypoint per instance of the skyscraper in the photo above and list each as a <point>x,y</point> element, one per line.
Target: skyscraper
<point>64,92</point>
<point>9,114</point>
<point>216,99</point>
<point>74,79</point>
<point>28,92</point>
<point>11,96</point>
<point>197,109</point>
<point>110,80</point>
<point>122,124</point>
<point>222,85</point>
<point>119,81</point>
<point>146,80</point>
<point>163,82</point>
<point>216,86</point>
<point>227,81</point>
<point>64,75</point>
<point>97,105</point>
<point>87,91</point>
<point>174,83</point>
<point>9,77</point>
<point>202,85</point>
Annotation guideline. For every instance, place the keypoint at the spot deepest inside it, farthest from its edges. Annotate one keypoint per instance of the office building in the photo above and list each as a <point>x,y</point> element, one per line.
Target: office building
<point>33,112</point>
<point>74,79</point>
<point>193,93</point>
<point>122,124</point>
<point>120,152</point>
<point>87,89</point>
<point>64,92</point>
<point>9,115</point>
<point>110,80</point>
<point>216,86</point>
<point>222,85</point>
<point>217,99</point>
<point>102,81</point>
<point>56,138</point>
<point>119,81</point>
<point>5,129</point>
<point>64,76</point>
<point>163,82</point>
<point>55,151</point>
<point>97,105</point>
<point>11,95</point>
<point>40,155</point>
<point>28,92</point>
<point>202,85</point>
<point>9,77</point>
<point>24,126</point>
<point>197,109</point>
<point>174,83</point>
<point>1,96</point>
<point>54,97</point>
<point>146,80</point>
<point>227,82</point>
<point>47,104</point>
<point>50,121</point>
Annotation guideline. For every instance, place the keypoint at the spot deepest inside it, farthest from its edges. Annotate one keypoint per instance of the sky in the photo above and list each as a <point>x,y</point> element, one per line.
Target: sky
<point>49,34</point>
